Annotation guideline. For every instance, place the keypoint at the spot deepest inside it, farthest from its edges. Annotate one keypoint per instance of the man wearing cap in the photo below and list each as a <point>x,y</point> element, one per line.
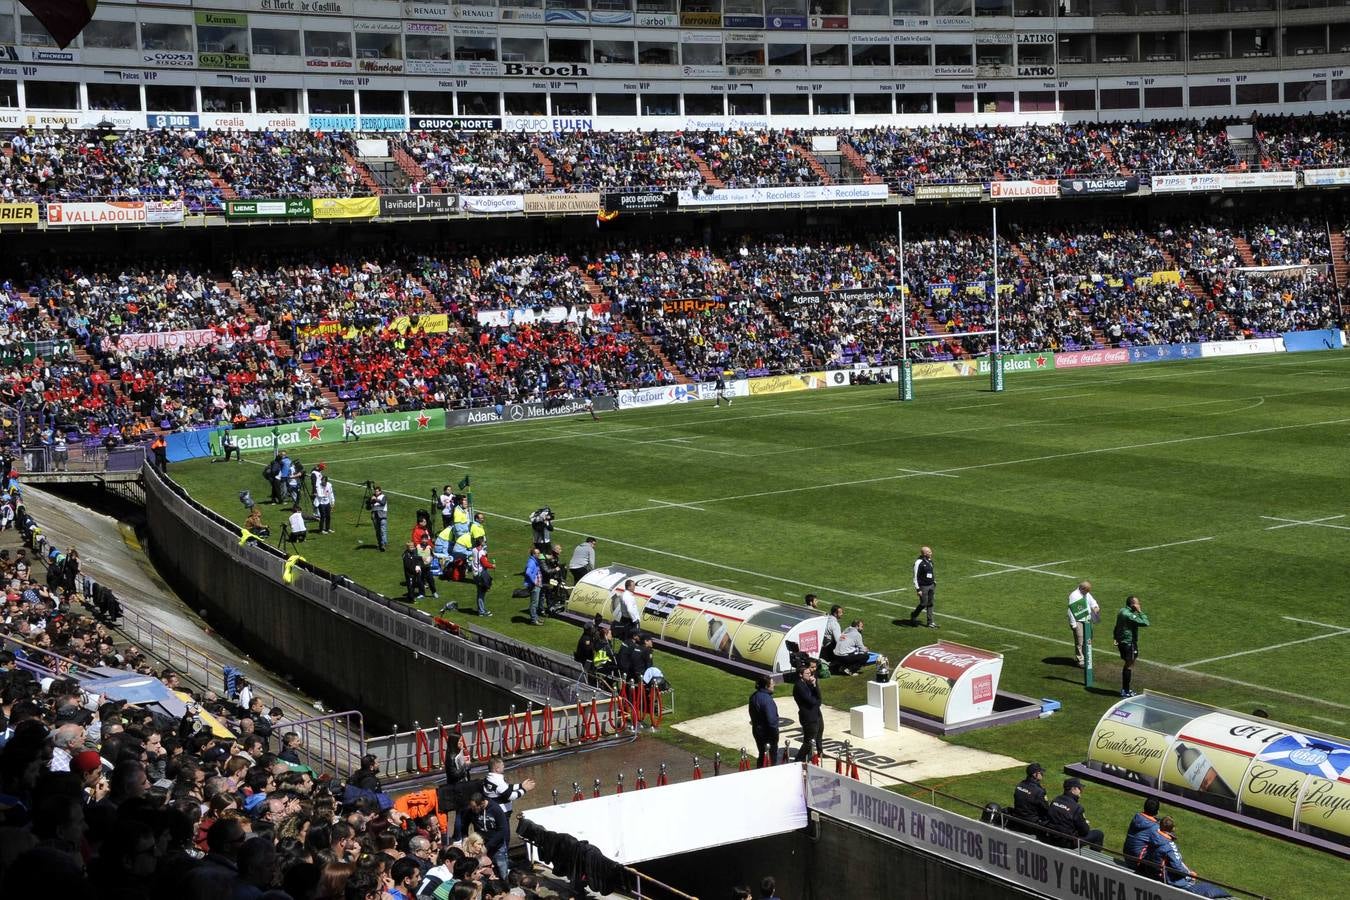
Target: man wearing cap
<point>1030,808</point>
<point>88,765</point>
<point>1068,825</point>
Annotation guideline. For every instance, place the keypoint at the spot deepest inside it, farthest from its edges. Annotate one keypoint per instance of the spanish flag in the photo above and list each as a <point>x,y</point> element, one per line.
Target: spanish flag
<point>63,19</point>
<point>604,216</point>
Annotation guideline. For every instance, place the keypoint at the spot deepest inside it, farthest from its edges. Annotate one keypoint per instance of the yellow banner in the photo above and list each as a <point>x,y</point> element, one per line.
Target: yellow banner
<point>786,384</point>
<point>1129,747</point>
<point>924,692</point>
<point>1170,276</point>
<point>436,323</point>
<point>1325,807</point>
<point>346,207</point>
<point>958,369</point>
<point>18,213</point>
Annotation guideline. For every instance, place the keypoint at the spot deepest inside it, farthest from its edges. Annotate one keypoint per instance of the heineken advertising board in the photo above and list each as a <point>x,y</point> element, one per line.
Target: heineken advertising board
<point>327,431</point>
<point>1020,362</point>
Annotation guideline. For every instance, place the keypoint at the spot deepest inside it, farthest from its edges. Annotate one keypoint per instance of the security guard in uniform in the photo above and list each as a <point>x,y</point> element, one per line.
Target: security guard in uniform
<point>1068,825</point>
<point>1031,809</point>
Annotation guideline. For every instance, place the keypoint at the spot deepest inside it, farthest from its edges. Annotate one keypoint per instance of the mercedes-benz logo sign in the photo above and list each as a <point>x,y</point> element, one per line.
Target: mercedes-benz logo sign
<point>516,412</point>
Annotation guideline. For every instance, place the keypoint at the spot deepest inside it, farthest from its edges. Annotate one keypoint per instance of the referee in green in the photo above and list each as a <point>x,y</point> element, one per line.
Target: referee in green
<point>1128,622</point>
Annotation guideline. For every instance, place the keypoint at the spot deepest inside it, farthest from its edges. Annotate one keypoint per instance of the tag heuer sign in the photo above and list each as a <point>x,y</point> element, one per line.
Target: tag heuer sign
<point>1083,187</point>
<point>408,206</point>
<point>455,123</point>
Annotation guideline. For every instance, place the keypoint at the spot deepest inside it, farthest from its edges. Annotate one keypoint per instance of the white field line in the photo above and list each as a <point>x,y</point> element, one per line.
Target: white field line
<point>1321,624</point>
<point>934,474</point>
<point>1320,523</point>
<point>843,593</point>
<point>1317,637</point>
<point>1008,569</point>
<point>681,505</point>
<point>1172,544</point>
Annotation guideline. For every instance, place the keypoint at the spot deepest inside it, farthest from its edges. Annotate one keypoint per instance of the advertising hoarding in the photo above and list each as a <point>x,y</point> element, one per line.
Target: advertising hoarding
<point>710,621</point>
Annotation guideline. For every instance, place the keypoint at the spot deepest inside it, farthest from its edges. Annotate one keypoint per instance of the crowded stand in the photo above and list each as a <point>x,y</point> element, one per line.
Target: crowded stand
<point>480,162</point>
<point>197,166</point>
<point>103,165</point>
<point>187,791</point>
<point>283,163</point>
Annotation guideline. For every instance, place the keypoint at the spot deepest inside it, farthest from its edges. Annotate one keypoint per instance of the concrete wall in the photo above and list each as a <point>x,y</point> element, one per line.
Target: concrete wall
<point>838,863</point>
<point>350,649</point>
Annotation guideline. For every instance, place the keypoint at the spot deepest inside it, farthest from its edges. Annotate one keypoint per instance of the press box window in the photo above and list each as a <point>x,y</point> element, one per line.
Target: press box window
<point>277,100</point>
<point>830,104</point>
<point>525,104</point>
<point>6,28</point>
<point>872,104</point>
<point>952,55</point>
<point>704,104</point>
<point>914,104</point>
<point>615,104</point>
<point>1211,95</point>
<point>225,100</point>
<point>1305,91</point>
<point>871,54</point>
<point>483,49</point>
<point>52,95</point>
<point>745,104</point>
<point>222,39</point>
<point>382,103</point>
<point>332,102</point>
<point>1037,101</point>
<point>656,54</point>
<point>327,44</point>
<point>829,55</point>
<point>114,96</point>
<point>472,103</point>
<point>1077,101</point>
<point>427,46</point>
<point>1162,98</point>
<point>517,49</point>
<point>170,98</point>
<point>163,36</point>
<point>1120,98</point>
<point>371,45</point>
<point>660,104</point>
<point>955,103</point>
<point>745,54</point>
<point>571,104</point>
<point>1254,94</point>
<point>33,33</point>
<point>617,53</point>
<point>913,55</point>
<point>790,104</point>
<point>787,54</point>
<point>110,35</point>
<point>431,103</point>
<point>9,94</point>
<point>563,50</point>
<point>275,42</point>
<point>701,55</point>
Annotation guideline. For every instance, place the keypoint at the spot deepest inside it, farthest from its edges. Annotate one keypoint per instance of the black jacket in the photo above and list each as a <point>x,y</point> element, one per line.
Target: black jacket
<point>1029,803</point>
<point>1066,817</point>
<point>808,702</point>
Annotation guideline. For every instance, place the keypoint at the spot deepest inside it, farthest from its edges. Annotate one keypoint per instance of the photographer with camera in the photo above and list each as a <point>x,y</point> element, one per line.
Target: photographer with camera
<point>229,446</point>
<point>541,522</point>
<point>296,526</point>
<point>378,504</point>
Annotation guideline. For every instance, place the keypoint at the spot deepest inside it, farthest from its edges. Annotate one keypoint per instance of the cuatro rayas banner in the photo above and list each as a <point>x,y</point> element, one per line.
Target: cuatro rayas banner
<point>293,435</point>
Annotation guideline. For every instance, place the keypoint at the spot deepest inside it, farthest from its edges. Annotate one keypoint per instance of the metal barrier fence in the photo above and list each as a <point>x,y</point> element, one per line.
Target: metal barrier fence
<point>332,744</point>
<point>534,731</point>
<point>83,458</point>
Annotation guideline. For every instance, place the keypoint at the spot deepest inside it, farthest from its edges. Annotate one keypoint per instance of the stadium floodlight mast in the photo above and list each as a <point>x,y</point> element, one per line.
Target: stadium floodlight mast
<point>906,382</point>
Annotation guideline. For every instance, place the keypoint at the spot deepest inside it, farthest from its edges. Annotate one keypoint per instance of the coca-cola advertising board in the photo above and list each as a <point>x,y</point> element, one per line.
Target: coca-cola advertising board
<point>1278,774</point>
<point>1079,358</point>
<point>703,620</point>
<point>949,682</point>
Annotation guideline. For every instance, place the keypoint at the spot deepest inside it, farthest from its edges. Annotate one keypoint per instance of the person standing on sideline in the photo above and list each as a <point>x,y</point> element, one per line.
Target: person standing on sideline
<point>534,583</point>
<point>480,567</point>
<point>160,452</point>
<point>925,586</point>
<point>378,504</point>
<point>1128,622</point>
<point>583,560</point>
<point>764,722</point>
<point>1082,607</point>
<point>323,496</point>
<point>720,387</point>
<point>624,611</point>
<point>807,694</point>
<point>349,426</point>
<point>1068,824</point>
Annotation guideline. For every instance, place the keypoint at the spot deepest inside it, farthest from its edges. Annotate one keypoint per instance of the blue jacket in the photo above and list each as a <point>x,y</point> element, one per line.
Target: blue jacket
<point>532,571</point>
<point>763,711</point>
<point>1137,838</point>
<point>1163,851</point>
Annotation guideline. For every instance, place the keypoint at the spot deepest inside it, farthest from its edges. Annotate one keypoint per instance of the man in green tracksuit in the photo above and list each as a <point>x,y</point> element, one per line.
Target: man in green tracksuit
<point>1128,622</point>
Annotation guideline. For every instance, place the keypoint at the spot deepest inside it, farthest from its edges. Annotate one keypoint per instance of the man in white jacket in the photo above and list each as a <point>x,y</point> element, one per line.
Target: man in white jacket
<point>499,790</point>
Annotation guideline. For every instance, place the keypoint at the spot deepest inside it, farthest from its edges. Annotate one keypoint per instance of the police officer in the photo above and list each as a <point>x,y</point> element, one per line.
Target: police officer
<point>925,586</point>
<point>1030,808</point>
<point>1068,825</point>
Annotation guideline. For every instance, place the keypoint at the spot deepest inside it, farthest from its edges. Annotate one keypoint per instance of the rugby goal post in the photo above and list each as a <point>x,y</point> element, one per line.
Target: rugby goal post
<point>995,353</point>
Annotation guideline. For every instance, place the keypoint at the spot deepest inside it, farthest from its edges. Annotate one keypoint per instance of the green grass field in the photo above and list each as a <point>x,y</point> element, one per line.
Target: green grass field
<point>1179,482</point>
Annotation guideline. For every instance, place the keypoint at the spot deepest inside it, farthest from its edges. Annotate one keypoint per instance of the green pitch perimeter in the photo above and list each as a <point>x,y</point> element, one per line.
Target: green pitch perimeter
<point>1181,482</point>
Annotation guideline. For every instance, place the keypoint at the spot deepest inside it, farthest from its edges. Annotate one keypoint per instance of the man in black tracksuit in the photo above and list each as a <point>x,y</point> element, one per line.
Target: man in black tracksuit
<point>764,721</point>
<point>807,694</point>
<point>925,586</point>
<point>1030,807</point>
<point>1067,818</point>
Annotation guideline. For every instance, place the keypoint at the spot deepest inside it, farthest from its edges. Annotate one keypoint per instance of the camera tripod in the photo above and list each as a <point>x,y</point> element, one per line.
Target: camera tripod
<point>365,502</point>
